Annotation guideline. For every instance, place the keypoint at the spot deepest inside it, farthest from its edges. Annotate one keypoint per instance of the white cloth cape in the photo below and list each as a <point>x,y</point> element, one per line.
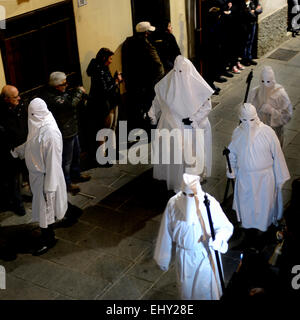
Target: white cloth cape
<point>43,156</point>
<point>260,171</point>
<point>182,93</point>
<point>196,268</point>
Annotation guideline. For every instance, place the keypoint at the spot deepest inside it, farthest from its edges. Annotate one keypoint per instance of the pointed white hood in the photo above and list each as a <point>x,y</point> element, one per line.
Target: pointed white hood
<point>38,117</point>
<point>183,89</point>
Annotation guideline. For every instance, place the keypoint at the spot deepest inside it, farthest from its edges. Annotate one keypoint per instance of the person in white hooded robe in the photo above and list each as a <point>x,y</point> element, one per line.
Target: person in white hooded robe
<point>185,222</point>
<point>272,103</point>
<point>183,102</point>
<point>43,157</point>
<point>259,168</point>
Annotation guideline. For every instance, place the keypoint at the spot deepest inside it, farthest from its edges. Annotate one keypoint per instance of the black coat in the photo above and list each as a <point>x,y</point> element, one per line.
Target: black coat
<point>64,107</point>
<point>104,93</point>
<point>142,67</point>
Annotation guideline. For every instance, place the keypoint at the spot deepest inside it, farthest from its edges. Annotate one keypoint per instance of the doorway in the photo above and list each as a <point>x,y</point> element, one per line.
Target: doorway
<point>37,43</point>
<point>154,11</point>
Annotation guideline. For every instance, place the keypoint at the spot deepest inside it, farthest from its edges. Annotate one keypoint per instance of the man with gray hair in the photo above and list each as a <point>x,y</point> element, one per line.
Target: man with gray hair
<point>14,129</point>
<point>64,105</point>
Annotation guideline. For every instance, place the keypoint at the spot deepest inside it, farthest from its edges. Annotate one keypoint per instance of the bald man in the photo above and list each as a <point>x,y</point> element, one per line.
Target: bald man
<point>13,120</point>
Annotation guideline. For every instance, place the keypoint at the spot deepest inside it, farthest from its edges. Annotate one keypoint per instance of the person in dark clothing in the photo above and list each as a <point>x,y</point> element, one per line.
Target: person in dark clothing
<point>166,45</point>
<point>104,97</point>
<point>293,17</point>
<point>64,106</point>
<point>13,122</point>
<point>249,13</point>
<point>142,69</point>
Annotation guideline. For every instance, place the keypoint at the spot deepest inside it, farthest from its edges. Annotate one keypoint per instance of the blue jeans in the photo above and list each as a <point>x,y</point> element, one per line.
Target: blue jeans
<point>249,43</point>
<point>71,158</point>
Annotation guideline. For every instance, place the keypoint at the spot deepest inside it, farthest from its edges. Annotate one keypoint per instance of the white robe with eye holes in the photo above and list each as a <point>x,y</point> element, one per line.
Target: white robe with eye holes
<point>260,171</point>
<point>182,93</point>
<point>196,268</point>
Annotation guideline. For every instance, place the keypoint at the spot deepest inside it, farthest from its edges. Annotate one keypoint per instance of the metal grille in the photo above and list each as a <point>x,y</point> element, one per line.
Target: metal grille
<point>283,54</point>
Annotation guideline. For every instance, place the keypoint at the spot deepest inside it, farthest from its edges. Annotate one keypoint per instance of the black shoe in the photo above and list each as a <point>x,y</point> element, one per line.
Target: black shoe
<point>44,248</point>
<point>221,79</point>
<point>216,89</point>
<point>227,74</point>
<point>20,211</point>
<point>246,63</point>
<point>252,62</point>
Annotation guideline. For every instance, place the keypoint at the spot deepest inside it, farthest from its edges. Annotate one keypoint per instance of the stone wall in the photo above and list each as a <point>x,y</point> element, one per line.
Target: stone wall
<point>272,31</point>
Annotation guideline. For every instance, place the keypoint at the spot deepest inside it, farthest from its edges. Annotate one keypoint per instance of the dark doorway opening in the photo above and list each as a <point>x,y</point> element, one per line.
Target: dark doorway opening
<point>154,11</point>
<point>37,43</point>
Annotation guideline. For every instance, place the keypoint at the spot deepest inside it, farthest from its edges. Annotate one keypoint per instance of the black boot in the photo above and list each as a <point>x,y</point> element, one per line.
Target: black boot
<point>46,241</point>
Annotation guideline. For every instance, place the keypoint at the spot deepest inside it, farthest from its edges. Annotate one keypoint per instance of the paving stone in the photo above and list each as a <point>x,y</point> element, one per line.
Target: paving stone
<point>167,282</point>
<point>75,233</point>
<point>146,268</point>
<point>115,244</point>
<point>127,288</point>
<point>292,152</point>
<point>18,289</point>
<point>78,285</point>
<point>147,231</point>
<point>108,267</point>
<point>70,255</point>
<point>160,295</point>
<point>227,126</point>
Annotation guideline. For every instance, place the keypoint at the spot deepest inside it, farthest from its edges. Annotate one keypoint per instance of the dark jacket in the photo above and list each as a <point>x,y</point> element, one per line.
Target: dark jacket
<point>167,48</point>
<point>248,17</point>
<point>141,65</point>
<point>104,93</point>
<point>64,107</point>
<point>14,122</point>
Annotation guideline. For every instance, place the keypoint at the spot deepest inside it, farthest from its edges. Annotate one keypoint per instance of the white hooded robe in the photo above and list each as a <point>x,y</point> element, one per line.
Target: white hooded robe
<point>272,103</point>
<point>183,93</point>
<point>196,267</point>
<point>260,170</point>
<point>43,156</point>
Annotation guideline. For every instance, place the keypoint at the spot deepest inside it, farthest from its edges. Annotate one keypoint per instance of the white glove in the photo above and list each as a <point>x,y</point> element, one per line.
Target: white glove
<point>14,153</point>
<point>218,245</point>
<point>266,108</point>
<point>230,175</point>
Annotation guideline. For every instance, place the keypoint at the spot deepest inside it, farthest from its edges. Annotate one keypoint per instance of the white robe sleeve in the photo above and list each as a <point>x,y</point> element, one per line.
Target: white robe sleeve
<point>233,153</point>
<point>19,152</point>
<point>52,150</point>
<point>200,117</point>
<point>280,168</point>
<point>282,115</point>
<point>163,248</point>
<point>155,111</point>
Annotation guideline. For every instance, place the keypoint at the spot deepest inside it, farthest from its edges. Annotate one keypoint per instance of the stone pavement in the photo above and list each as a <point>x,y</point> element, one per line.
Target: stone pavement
<point>107,254</point>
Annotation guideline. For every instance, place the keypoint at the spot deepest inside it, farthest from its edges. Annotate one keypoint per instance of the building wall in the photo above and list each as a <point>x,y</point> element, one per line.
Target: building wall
<point>100,24</point>
<point>178,20</point>
<point>272,25</point>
